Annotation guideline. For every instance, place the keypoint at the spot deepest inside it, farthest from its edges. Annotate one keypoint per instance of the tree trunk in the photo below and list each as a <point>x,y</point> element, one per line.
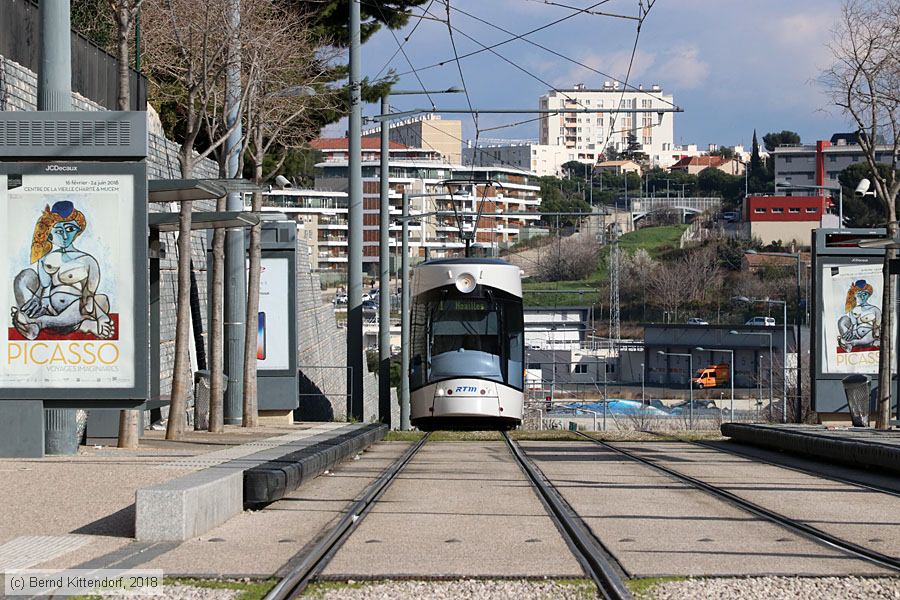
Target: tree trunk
<point>250,398</point>
<point>129,420</point>
<point>123,28</point>
<point>216,331</point>
<point>883,409</point>
<point>181,376</point>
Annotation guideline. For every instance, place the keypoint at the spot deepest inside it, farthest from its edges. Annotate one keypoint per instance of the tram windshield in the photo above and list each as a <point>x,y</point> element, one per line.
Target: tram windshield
<point>479,334</point>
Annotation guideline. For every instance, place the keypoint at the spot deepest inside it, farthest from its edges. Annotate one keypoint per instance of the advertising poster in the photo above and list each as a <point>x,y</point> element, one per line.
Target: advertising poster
<point>851,320</point>
<point>273,351</point>
<point>66,267</point>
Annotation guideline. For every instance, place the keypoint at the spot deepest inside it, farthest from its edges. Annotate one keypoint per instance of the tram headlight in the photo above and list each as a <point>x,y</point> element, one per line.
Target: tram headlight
<point>466,283</point>
<point>439,392</point>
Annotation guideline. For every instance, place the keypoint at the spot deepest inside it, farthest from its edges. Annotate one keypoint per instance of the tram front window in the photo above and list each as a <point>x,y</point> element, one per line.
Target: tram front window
<point>466,336</point>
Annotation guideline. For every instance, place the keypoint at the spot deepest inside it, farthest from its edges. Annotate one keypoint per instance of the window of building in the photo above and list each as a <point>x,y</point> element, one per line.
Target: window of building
<point>812,209</point>
<point>759,211</point>
<point>534,365</point>
<point>599,121</point>
<point>832,158</point>
<point>777,210</point>
<point>788,159</point>
<point>855,158</point>
<point>794,210</point>
<point>580,368</point>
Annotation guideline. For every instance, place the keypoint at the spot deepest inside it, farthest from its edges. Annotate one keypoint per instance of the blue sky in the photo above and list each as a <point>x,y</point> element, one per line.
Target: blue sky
<point>733,65</point>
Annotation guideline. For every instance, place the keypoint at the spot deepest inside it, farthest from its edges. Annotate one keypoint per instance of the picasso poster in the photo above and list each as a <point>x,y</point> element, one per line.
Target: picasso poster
<point>66,261</point>
<point>851,323</point>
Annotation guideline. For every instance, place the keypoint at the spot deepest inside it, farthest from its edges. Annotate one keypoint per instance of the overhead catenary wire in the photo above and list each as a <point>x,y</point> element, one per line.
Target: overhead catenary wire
<point>405,39</point>
<point>563,56</point>
<point>408,61</point>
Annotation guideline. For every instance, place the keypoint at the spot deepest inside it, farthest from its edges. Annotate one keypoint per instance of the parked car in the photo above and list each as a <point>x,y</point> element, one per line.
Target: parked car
<point>369,306</point>
<point>766,321</point>
<point>730,217</point>
<point>697,321</point>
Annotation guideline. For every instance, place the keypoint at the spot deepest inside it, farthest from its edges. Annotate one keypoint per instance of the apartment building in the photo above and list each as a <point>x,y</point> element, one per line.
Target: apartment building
<point>822,162</point>
<point>338,149</point>
<point>584,135</point>
<point>436,234</point>
<point>540,159</point>
<point>426,131</point>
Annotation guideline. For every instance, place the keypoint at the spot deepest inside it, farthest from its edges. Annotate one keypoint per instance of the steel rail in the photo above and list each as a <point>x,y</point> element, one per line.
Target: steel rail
<point>812,533</point>
<point>594,558</point>
<point>315,561</point>
<point>869,487</point>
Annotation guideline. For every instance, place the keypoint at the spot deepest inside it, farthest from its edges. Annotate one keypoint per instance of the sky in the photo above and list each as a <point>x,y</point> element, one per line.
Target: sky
<point>732,65</point>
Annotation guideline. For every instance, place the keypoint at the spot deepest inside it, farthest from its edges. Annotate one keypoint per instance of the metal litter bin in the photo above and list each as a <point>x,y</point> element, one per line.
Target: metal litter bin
<point>201,398</point>
<point>856,388</point>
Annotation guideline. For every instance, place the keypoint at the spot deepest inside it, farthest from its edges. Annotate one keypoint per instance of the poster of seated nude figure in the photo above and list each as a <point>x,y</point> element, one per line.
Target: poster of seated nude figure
<point>65,260</point>
<point>851,323</point>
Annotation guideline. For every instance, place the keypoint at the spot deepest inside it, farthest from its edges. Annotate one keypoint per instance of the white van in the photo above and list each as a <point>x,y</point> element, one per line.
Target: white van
<point>766,321</point>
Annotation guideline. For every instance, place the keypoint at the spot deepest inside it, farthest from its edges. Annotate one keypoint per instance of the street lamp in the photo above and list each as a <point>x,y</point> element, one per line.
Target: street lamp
<point>731,376</point>
<point>768,333</point>
<point>643,388</point>
<point>797,320</point>
<point>384,253</point>
<point>690,382</point>
<point>784,367</point>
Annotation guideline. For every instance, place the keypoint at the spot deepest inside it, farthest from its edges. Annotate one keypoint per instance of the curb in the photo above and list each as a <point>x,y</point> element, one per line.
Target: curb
<point>855,453</point>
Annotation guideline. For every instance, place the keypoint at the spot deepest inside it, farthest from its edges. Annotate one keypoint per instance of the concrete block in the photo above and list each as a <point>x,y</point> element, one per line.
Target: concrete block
<point>189,506</point>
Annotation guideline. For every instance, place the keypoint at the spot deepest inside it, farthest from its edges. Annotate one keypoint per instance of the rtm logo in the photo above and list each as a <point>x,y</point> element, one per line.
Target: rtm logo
<point>465,388</point>
<point>61,168</point>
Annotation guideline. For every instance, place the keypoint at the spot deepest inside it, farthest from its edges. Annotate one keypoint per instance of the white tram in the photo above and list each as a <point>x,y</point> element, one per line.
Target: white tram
<point>466,345</point>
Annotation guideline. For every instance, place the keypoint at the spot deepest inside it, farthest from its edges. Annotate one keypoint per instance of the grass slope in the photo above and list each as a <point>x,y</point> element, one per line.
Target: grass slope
<point>655,240</point>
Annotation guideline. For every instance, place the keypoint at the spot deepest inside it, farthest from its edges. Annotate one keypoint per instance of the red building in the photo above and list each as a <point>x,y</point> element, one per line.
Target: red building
<point>785,218</point>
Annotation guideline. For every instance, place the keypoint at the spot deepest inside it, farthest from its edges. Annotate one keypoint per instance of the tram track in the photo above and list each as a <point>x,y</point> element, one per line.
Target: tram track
<point>809,532</point>
<point>316,559</point>
<point>870,487</point>
<point>596,560</point>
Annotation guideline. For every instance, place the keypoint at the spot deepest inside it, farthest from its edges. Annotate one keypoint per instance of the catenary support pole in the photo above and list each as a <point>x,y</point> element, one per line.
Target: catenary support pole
<point>55,94</point>
<point>384,279</point>
<point>404,316</point>
<point>798,345</point>
<point>784,367</point>
<point>355,229</point>
<point>235,303</point>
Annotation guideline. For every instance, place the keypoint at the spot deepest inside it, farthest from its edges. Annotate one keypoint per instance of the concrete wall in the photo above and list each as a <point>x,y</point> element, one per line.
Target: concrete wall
<point>322,354</point>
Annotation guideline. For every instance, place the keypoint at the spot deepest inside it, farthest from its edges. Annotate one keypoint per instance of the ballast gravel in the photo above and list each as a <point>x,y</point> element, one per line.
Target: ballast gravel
<point>474,589</point>
<point>755,588</point>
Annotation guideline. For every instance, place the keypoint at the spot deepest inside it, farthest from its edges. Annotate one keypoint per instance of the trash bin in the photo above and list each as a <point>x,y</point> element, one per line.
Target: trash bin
<point>856,388</point>
<point>201,398</point>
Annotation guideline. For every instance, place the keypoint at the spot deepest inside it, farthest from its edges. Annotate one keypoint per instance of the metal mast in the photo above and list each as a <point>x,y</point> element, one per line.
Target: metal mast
<point>615,320</point>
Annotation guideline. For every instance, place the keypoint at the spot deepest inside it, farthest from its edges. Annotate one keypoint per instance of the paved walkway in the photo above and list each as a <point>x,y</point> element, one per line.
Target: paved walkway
<point>60,511</point>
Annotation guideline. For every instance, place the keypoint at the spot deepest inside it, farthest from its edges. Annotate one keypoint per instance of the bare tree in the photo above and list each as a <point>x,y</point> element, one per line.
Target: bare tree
<point>574,257</point>
<point>863,82</point>
<point>186,52</point>
<point>124,12</point>
<point>292,67</point>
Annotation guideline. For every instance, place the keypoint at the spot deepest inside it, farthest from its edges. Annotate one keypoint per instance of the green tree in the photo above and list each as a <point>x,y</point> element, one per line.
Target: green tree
<point>756,166</point>
<point>553,199</point>
<point>781,138</point>
<point>714,182</point>
<point>724,152</point>
<point>861,211</point>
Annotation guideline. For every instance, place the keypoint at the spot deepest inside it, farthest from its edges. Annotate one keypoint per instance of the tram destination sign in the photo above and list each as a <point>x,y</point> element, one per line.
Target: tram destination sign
<point>74,297</point>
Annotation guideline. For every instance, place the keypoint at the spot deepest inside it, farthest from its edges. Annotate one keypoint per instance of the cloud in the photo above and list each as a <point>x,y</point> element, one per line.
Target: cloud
<point>683,68</point>
<point>614,64</point>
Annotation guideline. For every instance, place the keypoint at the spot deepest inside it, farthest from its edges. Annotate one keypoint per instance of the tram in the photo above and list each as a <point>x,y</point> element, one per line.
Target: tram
<point>466,345</point>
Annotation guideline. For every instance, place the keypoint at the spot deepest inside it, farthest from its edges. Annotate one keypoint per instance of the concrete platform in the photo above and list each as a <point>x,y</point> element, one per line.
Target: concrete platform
<point>192,504</point>
<point>856,447</point>
<point>52,502</point>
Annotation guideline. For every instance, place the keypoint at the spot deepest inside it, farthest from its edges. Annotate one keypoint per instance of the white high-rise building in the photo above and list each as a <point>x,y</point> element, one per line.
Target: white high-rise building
<point>584,135</point>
